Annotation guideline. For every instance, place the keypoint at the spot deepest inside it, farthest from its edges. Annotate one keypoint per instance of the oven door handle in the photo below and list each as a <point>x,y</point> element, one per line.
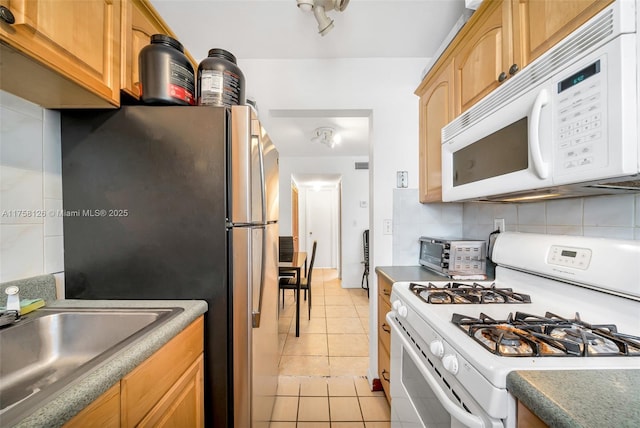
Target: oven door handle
<point>455,411</point>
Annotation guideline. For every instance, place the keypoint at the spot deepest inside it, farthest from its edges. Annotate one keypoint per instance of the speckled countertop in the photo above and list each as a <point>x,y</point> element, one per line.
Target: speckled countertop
<point>580,398</point>
<point>68,402</point>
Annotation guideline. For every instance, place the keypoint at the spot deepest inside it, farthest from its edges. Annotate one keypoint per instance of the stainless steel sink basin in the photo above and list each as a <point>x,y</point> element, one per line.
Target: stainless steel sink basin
<point>48,349</point>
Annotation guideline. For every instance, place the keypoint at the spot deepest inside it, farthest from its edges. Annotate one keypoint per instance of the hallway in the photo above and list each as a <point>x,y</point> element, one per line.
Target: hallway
<point>322,381</point>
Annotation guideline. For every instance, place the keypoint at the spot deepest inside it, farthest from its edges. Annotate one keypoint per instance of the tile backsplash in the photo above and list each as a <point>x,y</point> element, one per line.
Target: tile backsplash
<point>31,238</point>
<point>616,217</point>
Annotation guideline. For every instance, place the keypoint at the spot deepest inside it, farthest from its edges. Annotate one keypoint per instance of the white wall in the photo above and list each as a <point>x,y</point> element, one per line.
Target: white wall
<point>384,86</point>
<point>411,220</point>
<point>355,188</point>
<point>31,241</point>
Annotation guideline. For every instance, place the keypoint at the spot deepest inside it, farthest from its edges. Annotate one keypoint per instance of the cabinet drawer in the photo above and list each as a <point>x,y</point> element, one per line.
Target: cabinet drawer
<point>384,331</point>
<point>384,288</point>
<point>384,370</point>
<point>149,382</point>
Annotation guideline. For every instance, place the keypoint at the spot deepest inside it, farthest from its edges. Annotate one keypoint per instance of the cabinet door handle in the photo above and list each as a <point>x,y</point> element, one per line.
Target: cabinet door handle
<point>513,69</point>
<point>502,77</point>
<point>384,371</point>
<point>385,327</point>
<point>6,15</point>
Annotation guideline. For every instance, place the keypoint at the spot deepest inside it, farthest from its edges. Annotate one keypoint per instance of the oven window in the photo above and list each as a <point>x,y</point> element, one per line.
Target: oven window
<point>431,250</point>
<point>424,400</point>
<point>502,152</point>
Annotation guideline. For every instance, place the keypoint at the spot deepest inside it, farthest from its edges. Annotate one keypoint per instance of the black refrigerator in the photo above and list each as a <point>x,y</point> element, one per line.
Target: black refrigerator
<point>182,203</point>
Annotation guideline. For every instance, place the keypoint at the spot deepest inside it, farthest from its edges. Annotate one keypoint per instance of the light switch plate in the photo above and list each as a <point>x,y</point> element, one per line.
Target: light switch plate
<point>387,227</point>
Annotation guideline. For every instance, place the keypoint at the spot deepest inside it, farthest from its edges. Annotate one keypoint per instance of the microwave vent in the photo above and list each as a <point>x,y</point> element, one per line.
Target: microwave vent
<point>585,39</point>
<point>622,185</point>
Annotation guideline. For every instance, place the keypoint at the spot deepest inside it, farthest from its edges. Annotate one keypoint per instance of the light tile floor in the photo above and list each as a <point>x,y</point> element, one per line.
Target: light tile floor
<point>322,381</point>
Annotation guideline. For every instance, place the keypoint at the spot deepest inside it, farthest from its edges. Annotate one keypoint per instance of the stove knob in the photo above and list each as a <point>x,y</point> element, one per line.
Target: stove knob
<point>396,305</point>
<point>402,311</point>
<point>437,348</point>
<point>450,363</point>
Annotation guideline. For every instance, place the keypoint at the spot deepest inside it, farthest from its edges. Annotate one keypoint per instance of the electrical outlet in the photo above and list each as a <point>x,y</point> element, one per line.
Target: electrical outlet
<point>402,179</point>
<point>498,224</point>
<point>387,227</point>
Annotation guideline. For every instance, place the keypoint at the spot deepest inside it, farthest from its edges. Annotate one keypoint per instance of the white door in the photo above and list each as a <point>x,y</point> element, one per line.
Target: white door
<point>321,222</point>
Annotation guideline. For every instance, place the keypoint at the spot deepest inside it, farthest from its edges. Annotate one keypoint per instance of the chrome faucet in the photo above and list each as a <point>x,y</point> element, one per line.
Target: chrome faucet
<point>13,298</point>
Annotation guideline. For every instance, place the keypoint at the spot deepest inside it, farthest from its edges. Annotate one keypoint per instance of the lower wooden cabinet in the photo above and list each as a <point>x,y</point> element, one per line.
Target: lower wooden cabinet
<point>384,334</point>
<point>384,370</point>
<point>166,390</point>
<point>104,412</point>
<point>182,405</point>
<point>527,419</point>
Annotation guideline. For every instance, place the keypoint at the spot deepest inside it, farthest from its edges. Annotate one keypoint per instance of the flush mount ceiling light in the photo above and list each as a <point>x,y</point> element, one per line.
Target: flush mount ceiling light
<point>326,136</point>
<point>319,8</point>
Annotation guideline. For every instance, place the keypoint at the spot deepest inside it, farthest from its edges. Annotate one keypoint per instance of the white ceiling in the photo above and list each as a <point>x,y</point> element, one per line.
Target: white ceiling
<point>277,29</point>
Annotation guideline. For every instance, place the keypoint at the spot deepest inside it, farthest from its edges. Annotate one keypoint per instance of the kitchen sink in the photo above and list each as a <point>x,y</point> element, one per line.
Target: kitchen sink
<point>48,349</point>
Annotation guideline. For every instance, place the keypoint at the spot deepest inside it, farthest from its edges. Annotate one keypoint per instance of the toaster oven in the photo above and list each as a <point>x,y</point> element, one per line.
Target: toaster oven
<point>453,256</point>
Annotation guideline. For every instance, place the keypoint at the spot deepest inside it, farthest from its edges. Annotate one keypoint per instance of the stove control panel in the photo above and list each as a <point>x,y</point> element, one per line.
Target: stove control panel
<point>578,258</point>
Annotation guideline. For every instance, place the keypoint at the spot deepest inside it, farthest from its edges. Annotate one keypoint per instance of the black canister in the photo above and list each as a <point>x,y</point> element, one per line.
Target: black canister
<point>220,81</point>
<point>166,74</point>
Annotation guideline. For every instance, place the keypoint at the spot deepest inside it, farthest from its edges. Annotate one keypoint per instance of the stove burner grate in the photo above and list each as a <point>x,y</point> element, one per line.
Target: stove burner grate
<point>526,335</point>
<point>460,293</point>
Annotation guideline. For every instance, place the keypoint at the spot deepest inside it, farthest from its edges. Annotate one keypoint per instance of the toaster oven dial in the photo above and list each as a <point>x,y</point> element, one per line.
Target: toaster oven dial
<point>450,363</point>
<point>437,348</point>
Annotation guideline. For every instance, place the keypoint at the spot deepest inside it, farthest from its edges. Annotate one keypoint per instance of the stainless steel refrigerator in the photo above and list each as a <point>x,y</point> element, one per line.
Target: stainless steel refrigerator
<point>182,203</point>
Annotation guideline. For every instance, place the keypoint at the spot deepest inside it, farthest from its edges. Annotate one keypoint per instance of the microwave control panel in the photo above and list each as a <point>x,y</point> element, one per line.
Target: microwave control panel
<point>580,132</point>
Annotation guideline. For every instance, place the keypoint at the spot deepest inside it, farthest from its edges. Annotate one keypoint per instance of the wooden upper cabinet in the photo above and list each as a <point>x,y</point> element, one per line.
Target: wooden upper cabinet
<point>436,110</point>
<point>543,23</point>
<point>487,55</point>
<point>62,53</point>
<point>139,22</point>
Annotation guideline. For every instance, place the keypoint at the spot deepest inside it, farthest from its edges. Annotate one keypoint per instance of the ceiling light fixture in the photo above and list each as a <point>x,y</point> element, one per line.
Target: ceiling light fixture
<point>326,136</point>
<point>319,8</point>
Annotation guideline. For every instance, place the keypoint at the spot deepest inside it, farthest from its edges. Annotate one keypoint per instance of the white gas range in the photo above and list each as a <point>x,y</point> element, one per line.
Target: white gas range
<point>551,295</point>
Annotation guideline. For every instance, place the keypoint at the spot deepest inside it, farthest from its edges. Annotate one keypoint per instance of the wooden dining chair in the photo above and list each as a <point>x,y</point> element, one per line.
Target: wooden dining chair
<point>305,283</point>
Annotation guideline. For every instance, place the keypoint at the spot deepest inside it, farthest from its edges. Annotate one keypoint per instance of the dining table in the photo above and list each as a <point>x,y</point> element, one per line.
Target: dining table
<point>296,264</point>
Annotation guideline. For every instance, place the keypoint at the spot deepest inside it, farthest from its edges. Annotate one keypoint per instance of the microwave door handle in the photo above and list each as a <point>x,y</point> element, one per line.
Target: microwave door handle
<point>539,165</point>
<point>469,420</point>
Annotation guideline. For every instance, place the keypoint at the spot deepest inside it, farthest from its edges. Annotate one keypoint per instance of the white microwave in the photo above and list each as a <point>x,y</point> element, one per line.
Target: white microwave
<point>566,125</point>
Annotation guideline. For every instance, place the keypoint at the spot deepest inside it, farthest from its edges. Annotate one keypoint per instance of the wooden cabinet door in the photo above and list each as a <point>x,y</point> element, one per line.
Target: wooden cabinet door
<point>139,22</point>
<point>485,53</point>
<point>384,337</point>
<point>436,110</point>
<point>543,23</point>
<point>183,404</point>
<point>384,370</point>
<point>104,412</point>
<point>144,388</point>
<point>79,40</point>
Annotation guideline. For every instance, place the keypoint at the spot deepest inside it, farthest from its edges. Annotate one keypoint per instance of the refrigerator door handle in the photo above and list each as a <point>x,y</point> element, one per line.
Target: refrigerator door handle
<point>263,183</point>
<point>256,313</point>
